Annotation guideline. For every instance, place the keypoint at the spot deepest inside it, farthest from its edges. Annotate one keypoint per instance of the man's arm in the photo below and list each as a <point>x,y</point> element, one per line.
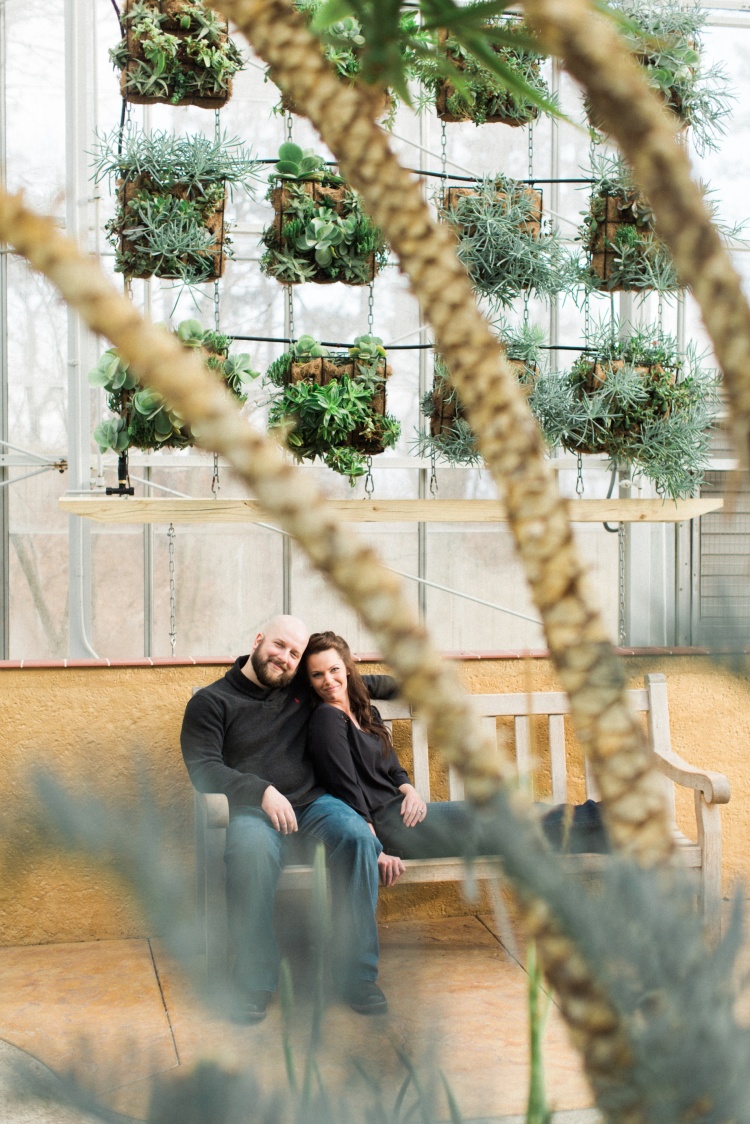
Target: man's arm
<point>380,686</point>
<point>202,741</point>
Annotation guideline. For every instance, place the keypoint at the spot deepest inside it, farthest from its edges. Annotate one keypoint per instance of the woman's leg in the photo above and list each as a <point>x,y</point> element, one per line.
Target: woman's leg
<point>448,830</point>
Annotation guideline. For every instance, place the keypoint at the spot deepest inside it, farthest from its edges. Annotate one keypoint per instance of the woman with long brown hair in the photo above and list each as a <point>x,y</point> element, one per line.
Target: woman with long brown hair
<point>353,757</point>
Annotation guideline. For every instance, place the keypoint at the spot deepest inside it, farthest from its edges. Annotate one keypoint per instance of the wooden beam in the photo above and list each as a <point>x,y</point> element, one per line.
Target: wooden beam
<point>128,509</point>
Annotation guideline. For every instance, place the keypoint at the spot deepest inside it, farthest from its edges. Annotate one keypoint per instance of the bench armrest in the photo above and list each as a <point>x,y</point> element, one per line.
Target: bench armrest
<point>714,786</point>
<point>214,808</point>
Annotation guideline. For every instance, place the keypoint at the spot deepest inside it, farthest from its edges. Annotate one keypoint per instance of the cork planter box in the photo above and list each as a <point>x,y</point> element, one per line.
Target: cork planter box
<point>618,220</point>
<point>193,67</point>
<point>513,194</point>
<point>492,103</point>
<point>323,370</point>
<point>205,262</point>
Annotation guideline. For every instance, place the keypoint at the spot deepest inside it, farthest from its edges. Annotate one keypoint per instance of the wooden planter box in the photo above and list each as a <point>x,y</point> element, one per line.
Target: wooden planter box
<point>532,226</point>
<point>619,211</point>
<point>172,9</point>
<point>127,190</point>
<point>596,376</point>
<point>322,371</point>
<point>322,195</point>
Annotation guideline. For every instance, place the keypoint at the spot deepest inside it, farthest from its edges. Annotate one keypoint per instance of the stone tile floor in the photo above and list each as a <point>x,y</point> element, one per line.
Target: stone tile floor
<point>119,1012</point>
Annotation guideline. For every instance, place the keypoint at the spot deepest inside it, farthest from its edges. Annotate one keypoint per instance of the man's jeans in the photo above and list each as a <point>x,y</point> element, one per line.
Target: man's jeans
<point>254,857</point>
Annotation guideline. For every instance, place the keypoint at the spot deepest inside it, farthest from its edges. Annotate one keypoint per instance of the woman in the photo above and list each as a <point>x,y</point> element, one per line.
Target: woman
<point>353,757</point>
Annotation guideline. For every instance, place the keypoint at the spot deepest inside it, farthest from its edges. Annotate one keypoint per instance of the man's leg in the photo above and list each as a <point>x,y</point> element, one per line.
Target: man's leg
<point>352,852</point>
<point>253,858</point>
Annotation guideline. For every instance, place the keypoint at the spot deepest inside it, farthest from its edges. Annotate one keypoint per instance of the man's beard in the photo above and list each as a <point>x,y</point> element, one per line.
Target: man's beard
<point>277,678</point>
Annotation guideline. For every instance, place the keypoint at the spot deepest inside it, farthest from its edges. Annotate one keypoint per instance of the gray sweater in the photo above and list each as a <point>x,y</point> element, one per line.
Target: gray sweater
<point>238,738</point>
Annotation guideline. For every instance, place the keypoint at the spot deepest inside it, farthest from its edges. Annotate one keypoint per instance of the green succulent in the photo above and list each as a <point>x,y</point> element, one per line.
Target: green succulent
<point>325,233</point>
<point>296,163</point>
<point>307,347</point>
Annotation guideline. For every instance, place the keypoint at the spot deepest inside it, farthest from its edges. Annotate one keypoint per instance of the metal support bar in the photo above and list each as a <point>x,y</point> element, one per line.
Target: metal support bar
<point>4,496</point>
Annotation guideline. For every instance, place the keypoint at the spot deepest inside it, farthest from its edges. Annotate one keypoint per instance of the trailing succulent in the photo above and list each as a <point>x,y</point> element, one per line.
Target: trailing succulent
<point>181,55</point>
<point>170,202</point>
<point>637,400</point>
<point>511,95</point>
<point>666,39</point>
<point>502,242</point>
<point>142,419</point>
<point>321,231</point>
<point>450,437</point>
<point>332,405</point>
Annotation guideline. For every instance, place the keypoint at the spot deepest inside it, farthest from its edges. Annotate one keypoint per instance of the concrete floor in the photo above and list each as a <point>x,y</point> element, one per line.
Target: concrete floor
<point>119,1012</point>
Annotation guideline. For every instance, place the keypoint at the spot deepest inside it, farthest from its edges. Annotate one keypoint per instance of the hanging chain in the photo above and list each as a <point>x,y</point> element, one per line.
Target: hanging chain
<point>217,127</point>
<point>172,600</point>
<point>530,149</point>
<point>217,317</point>
<point>443,151</point>
<point>290,311</point>
<point>127,286</point>
<point>621,573</point>
<point>587,319</point>
<point>370,307</point>
<point>433,474</point>
<point>215,481</point>
<point>526,308</point>
<point>579,476</point>
<point>660,312</point>
<point>369,481</point>
<point>289,123</point>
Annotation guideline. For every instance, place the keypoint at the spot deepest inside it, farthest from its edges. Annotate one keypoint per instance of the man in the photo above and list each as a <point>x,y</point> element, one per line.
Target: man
<point>244,735</point>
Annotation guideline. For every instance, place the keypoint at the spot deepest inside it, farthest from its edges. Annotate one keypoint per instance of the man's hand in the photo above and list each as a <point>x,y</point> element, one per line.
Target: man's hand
<point>390,868</point>
<point>413,807</point>
<point>279,811</point>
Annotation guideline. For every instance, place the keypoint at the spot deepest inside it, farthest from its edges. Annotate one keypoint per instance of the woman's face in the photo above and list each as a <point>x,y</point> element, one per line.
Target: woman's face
<point>328,677</point>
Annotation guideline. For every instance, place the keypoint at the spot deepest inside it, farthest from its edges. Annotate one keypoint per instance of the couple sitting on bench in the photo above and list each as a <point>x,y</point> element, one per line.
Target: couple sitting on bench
<point>289,735</point>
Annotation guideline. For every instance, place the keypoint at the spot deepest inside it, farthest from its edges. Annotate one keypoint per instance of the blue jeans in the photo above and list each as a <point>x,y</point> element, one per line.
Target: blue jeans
<point>255,855</point>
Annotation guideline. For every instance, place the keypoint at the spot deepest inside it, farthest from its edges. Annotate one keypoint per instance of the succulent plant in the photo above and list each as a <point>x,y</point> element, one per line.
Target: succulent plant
<point>297,163</point>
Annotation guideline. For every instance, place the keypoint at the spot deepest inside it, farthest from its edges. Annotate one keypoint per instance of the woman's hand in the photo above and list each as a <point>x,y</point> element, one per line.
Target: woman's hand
<point>390,868</point>
<point>413,807</point>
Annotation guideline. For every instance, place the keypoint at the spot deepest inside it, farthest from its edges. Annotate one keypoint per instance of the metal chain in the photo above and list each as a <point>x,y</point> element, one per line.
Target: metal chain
<point>172,600</point>
<point>217,127</point>
<point>370,307</point>
<point>127,285</point>
<point>433,474</point>
<point>579,476</point>
<point>526,308</point>
<point>621,573</point>
<point>369,481</point>
<point>289,123</point>
<point>443,150</point>
<point>215,481</point>
<point>587,319</point>
<point>530,149</point>
<point>217,318</point>
<point>660,312</point>
<point>290,311</point>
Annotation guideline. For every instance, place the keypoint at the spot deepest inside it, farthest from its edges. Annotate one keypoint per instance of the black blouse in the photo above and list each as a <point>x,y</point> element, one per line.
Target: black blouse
<point>349,763</point>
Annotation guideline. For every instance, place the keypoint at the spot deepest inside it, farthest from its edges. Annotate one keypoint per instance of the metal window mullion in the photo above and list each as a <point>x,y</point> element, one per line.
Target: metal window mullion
<point>4,491</point>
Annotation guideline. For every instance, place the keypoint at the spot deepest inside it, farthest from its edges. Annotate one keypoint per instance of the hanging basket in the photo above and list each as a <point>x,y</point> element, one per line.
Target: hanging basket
<point>183,69</point>
<point>359,269</point>
<point>513,192</point>
<point>324,370</point>
<point>504,109</point>
<point>210,261</point>
<point>593,376</point>
<point>611,214</point>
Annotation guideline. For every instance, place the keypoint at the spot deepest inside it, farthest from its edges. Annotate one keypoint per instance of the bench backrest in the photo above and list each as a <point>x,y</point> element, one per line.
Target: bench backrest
<point>553,705</point>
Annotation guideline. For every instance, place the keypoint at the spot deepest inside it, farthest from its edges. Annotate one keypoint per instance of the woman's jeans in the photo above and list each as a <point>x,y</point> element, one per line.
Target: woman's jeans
<point>255,855</point>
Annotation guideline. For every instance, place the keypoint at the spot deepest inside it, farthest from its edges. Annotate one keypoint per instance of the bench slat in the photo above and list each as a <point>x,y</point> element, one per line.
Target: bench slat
<point>557,758</point>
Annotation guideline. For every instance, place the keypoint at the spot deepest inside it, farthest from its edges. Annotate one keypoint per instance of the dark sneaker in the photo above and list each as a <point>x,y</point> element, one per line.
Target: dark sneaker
<point>251,1007</point>
<point>366,998</point>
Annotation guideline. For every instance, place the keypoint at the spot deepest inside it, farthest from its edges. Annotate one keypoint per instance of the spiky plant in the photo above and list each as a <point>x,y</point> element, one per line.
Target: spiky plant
<point>181,56</point>
<point>639,402</point>
<point>502,240</point>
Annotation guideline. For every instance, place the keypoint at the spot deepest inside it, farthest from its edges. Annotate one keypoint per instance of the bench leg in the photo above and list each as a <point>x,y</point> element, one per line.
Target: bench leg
<point>709,838</point>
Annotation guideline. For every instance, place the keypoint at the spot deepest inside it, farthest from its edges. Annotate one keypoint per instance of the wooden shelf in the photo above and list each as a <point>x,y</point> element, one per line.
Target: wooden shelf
<point>128,509</point>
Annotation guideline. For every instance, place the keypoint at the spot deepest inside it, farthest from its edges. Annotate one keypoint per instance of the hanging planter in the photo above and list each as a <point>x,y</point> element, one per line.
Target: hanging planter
<point>623,250</point>
<point>320,232</point>
<point>666,39</point>
<point>171,192</point>
<point>177,52</point>
<point>512,96</point>
<point>502,240</point>
<point>142,420</point>
<point>332,405</point>
<point>451,438</point>
<point>637,401</point>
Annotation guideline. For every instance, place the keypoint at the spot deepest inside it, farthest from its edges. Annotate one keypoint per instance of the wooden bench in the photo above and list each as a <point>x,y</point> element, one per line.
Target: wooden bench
<point>701,854</point>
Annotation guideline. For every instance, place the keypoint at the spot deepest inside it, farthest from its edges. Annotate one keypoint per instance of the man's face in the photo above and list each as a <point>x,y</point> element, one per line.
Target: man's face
<point>275,657</point>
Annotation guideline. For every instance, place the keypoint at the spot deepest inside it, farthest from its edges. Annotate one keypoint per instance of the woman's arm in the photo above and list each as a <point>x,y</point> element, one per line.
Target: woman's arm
<point>413,807</point>
<point>331,756</point>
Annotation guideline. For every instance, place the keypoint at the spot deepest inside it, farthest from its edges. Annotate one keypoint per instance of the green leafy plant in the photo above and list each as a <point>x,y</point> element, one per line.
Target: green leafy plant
<point>142,418</point>
<point>332,405</point>
<point>450,437</point>
<point>177,52</point>
<point>666,39</point>
<point>171,191</point>
<point>637,400</point>
<point>502,240</point>
<point>321,232</point>
<point>482,94</point>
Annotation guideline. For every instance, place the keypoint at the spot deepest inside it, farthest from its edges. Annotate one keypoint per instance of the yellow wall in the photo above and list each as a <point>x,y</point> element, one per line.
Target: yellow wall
<point>103,729</point>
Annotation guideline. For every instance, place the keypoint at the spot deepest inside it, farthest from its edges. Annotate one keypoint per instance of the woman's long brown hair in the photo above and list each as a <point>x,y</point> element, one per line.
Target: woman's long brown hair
<point>359,699</point>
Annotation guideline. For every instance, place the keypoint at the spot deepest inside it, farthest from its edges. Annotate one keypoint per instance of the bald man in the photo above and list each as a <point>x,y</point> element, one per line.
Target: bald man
<point>245,736</point>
